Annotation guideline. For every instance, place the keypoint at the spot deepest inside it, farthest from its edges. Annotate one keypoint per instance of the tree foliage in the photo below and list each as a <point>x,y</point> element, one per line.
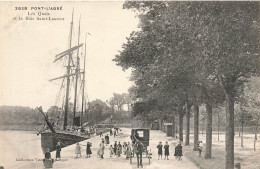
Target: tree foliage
<point>193,52</point>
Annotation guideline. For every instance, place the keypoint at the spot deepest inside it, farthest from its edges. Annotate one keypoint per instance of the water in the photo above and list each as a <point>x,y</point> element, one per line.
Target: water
<point>19,147</point>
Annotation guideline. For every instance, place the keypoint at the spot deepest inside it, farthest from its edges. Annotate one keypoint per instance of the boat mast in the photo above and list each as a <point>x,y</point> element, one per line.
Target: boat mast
<point>76,83</point>
<point>68,78</point>
<point>81,121</point>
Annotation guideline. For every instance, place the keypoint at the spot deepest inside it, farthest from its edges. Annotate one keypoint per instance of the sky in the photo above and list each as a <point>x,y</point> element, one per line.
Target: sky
<point>28,49</point>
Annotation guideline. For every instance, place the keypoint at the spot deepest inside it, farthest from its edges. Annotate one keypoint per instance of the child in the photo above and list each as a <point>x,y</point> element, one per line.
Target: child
<point>78,150</point>
<point>159,150</point>
<point>200,147</point>
<point>166,150</point>
<point>48,161</point>
<point>88,150</point>
<point>111,150</point>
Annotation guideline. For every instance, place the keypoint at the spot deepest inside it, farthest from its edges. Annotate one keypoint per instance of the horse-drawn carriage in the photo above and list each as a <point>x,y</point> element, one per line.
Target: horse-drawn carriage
<point>142,136</point>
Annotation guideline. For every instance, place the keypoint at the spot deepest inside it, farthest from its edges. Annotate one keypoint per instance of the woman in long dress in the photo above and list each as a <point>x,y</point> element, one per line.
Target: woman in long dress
<point>58,150</point>
<point>78,150</point>
<point>115,147</point>
<point>102,148</point>
<point>111,150</point>
<point>88,150</point>
<point>178,152</point>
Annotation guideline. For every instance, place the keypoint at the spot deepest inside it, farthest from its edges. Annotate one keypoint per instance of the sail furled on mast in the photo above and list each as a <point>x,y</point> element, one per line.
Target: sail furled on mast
<point>67,52</point>
<point>72,74</point>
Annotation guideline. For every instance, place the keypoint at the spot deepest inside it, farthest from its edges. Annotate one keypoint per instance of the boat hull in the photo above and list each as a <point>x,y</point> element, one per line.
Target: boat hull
<point>50,140</point>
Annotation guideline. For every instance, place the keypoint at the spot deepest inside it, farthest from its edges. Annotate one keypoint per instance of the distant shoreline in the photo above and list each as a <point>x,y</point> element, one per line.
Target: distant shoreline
<point>19,127</point>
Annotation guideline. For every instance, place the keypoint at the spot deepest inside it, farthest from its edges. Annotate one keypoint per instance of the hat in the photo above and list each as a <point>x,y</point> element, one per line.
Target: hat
<point>166,141</point>
<point>160,142</point>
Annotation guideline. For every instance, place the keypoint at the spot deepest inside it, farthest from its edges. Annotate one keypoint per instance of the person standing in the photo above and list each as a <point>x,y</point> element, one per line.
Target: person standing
<point>178,151</point>
<point>115,147</point>
<point>118,151</point>
<point>88,150</point>
<point>114,133</point>
<point>58,150</point>
<point>102,148</point>
<point>47,161</point>
<point>128,150</point>
<point>124,148</point>
<point>166,150</point>
<point>200,147</point>
<point>111,132</point>
<point>159,147</point>
<point>111,150</point>
<point>107,139</point>
<point>78,150</point>
<point>120,147</point>
<point>47,154</point>
<point>139,153</point>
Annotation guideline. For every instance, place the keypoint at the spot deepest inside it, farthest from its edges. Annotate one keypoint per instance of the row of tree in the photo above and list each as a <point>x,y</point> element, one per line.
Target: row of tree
<point>96,111</point>
<point>192,53</point>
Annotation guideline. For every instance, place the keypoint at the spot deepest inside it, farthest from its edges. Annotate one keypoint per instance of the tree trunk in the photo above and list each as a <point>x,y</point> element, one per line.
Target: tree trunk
<point>159,122</point>
<point>163,126</point>
<point>218,125</point>
<point>230,128</point>
<point>208,131</point>
<point>187,136</point>
<point>256,128</point>
<point>196,128</point>
<point>203,124</point>
<point>181,127</point>
<point>180,111</point>
<point>229,91</point>
<point>173,127</point>
<point>242,134</point>
<point>242,130</point>
<point>239,128</point>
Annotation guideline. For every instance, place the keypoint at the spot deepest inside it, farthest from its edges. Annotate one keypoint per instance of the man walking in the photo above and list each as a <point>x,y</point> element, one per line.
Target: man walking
<point>139,153</point>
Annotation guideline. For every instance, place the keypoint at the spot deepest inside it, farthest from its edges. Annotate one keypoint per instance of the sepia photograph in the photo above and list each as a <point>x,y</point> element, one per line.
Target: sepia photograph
<point>129,84</point>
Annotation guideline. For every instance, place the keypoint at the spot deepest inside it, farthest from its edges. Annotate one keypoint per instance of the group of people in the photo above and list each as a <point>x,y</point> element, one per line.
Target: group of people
<point>118,149</point>
<point>166,150</point>
<point>78,150</point>
<point>48,161</point>
<point>177,153</point>
<point>114,132</point>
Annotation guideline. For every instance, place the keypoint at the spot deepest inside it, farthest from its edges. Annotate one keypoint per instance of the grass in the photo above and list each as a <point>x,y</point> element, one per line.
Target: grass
<point>247,157</point>
<point>216,162</point>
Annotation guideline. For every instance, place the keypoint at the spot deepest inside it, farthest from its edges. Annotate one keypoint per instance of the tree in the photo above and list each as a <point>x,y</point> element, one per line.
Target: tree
<point>97,110</point>
<point>184,44</point>
<point>251,104</point>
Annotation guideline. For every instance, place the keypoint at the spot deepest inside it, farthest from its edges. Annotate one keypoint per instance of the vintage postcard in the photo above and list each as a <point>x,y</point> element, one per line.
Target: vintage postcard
<point>129,84</point>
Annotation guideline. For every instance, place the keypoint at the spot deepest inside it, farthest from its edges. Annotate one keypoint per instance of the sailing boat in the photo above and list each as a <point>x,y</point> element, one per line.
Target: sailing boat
<point>50,138</point>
